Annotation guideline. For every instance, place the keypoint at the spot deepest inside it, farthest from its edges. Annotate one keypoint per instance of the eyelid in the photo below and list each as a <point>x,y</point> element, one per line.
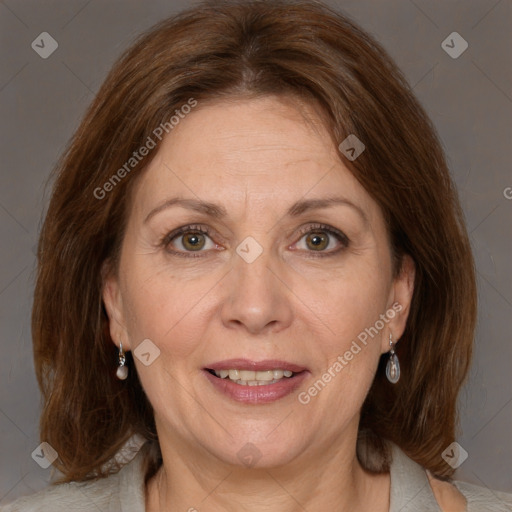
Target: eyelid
<point>205,230</point>
<point>315,226</point>
<point>200,228</point>
<point>343,239</point>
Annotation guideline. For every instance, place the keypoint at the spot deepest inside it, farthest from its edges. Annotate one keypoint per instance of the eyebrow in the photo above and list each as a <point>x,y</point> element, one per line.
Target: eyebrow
<point>217,211</point>
<point>305,205</point>
<point>211,209</point>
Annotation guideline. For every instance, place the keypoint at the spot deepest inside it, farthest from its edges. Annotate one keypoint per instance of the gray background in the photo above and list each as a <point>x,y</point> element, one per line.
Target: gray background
<point>468,98</point>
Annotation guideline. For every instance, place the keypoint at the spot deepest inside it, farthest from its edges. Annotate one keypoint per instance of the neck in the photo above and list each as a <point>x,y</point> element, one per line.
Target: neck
<point>333,480</point>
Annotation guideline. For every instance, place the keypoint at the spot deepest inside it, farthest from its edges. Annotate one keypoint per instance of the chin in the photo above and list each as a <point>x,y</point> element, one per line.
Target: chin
<point>259,453</point>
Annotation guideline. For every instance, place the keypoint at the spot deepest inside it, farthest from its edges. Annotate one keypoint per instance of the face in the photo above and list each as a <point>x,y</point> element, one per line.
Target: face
<point>251,254</point>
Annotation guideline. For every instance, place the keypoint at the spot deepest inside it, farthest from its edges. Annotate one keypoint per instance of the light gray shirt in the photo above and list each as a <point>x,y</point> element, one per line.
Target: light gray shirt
<point>125,492</point>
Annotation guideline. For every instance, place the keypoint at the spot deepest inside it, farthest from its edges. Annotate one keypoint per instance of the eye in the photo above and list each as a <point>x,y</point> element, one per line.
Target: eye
<point>322,239</point>
<point>188,239</point>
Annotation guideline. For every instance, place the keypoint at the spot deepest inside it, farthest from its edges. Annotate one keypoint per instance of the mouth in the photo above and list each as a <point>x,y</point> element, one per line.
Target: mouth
<point>255,382</point>
<point>253,378</point>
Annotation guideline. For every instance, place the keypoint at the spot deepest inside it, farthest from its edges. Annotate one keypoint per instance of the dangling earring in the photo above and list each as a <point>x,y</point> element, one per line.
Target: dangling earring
<point>393,366</point>
<point>122,369</point>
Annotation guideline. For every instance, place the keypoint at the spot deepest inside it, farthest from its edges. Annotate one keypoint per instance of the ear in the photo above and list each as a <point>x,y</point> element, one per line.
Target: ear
<point>399,302</point>
<point>112,298</point>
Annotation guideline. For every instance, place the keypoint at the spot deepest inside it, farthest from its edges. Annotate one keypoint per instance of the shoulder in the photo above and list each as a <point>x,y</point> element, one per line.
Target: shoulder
<point>118,492</point>
<point>463,497</point>
<point>102,494</point>
<point>481,498</point>
<point>414,488</point>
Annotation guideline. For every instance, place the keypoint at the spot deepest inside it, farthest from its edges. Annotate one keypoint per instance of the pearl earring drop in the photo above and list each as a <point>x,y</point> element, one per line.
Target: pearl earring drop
<point>122,369</point>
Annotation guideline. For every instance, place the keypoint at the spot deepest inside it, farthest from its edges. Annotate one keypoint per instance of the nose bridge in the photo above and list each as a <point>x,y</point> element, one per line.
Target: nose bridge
<point>252,276</point>
<point>255,297</point>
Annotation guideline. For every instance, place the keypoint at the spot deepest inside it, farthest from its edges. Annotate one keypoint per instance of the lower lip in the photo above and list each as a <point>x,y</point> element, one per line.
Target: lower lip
<point>257,394</point>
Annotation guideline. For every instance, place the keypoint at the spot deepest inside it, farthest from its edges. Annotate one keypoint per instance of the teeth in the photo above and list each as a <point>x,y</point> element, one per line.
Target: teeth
<point>252,378</point>
<point>268,375</point>
<point>247,375</point>
<point>278,374</point>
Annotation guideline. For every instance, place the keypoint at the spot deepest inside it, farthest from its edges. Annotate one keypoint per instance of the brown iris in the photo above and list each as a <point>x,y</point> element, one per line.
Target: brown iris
<point>317,241</point>
<point>193,241</point>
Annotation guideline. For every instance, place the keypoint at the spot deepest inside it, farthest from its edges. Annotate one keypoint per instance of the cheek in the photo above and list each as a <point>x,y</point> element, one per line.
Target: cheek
<point>347,302</point>
<point>349,353</point>
<point>357,314</point>
<point>167,310</point>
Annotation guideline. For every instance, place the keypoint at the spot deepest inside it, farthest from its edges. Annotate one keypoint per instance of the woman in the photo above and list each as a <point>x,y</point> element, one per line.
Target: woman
<point>254,272</point>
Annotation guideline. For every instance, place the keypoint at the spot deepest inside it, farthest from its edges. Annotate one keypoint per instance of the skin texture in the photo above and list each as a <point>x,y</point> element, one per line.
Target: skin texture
<point>449,498</point>
<point>255,158</point>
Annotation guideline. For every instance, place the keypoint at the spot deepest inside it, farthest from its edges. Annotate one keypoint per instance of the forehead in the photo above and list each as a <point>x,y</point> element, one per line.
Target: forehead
<point>265,150</point>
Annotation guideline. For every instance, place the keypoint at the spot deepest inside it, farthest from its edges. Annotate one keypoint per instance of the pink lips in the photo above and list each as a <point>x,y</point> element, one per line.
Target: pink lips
<point>256,394</point>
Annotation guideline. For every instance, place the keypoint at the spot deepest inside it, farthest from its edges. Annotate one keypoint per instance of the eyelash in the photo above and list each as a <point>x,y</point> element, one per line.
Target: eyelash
<point>339,235</point>
<point>205,230</point>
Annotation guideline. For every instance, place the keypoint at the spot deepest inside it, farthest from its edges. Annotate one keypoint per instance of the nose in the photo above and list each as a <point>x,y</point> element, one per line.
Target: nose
<point>257,299</point>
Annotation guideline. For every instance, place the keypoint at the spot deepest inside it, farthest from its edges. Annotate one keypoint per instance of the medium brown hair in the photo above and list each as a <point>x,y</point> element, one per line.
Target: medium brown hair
<point>233,49</point>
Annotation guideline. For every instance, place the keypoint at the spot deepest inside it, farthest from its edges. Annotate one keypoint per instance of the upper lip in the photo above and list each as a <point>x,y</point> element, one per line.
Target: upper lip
<point>247,364</point>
